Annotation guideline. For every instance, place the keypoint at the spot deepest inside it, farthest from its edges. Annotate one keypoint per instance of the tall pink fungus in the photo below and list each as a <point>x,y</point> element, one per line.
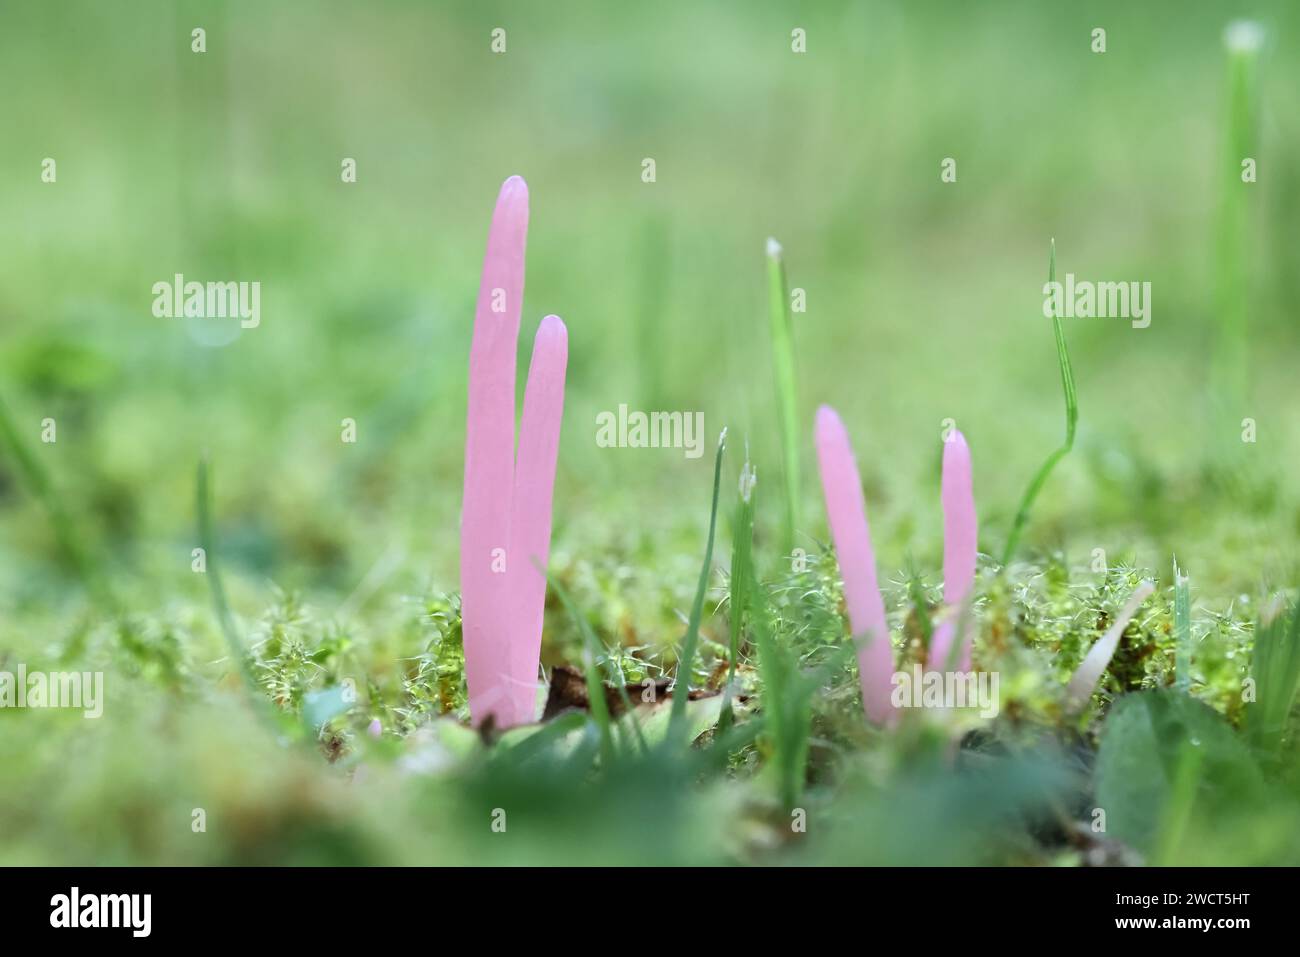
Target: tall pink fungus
<point>501,591</point>
<point>530,517</point>
<point>960,531</point>
<point>847,516</point>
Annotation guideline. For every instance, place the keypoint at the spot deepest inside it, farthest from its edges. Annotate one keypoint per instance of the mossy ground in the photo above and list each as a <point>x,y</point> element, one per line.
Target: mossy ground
<point>183,732</point>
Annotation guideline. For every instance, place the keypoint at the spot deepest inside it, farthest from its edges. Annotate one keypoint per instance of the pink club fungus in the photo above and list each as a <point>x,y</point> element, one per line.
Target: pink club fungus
<point>960,531</point>
<point>847,516</point>
<point>506,507</point>
<point>846,513</point>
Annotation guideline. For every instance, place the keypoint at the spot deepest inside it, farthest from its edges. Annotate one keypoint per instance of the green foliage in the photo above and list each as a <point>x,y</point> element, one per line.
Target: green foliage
<point>67,531</point>
<point>1164,754</point>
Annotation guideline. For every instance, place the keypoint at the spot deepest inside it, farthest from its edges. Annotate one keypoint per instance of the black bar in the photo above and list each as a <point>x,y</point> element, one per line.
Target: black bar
<point>292,907</point>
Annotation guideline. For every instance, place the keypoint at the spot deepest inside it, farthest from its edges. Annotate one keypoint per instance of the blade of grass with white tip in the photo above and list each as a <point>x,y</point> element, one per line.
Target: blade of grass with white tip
<point>783,363</point>
<point>1182,631</point>
<point>682,686</point>
<point>1098,657</point>
<point>1071,421</point>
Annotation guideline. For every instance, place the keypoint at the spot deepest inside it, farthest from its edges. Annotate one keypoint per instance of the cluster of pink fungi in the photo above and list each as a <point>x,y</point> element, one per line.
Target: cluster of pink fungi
<point>506,512</point>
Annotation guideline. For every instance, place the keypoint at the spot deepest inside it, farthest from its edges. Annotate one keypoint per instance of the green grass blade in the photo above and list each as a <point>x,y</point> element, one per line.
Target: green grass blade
<point>786,698</point>
<point>1275,669</point>
<point>70,541</point>
<point>595,687</point>
<point>742,577</point>
<point>275,721</point>
<point>685,663</point>
<point>540,742</point>
<point>207,539</point>
<point>1180,803</point>
<point>783,362</point>
<point>1071,422</point>
<point>1182,631</point>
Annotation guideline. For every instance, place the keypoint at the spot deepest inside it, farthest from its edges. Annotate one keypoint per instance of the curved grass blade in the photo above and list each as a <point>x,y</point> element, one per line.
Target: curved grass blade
<point>276,721</point>
<point>1071,421</point>
<point>1088,674</point>
<point>203,494</point>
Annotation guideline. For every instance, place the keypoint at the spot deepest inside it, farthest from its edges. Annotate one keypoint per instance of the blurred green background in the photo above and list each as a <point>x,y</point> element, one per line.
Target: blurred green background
<point>924,298</point>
